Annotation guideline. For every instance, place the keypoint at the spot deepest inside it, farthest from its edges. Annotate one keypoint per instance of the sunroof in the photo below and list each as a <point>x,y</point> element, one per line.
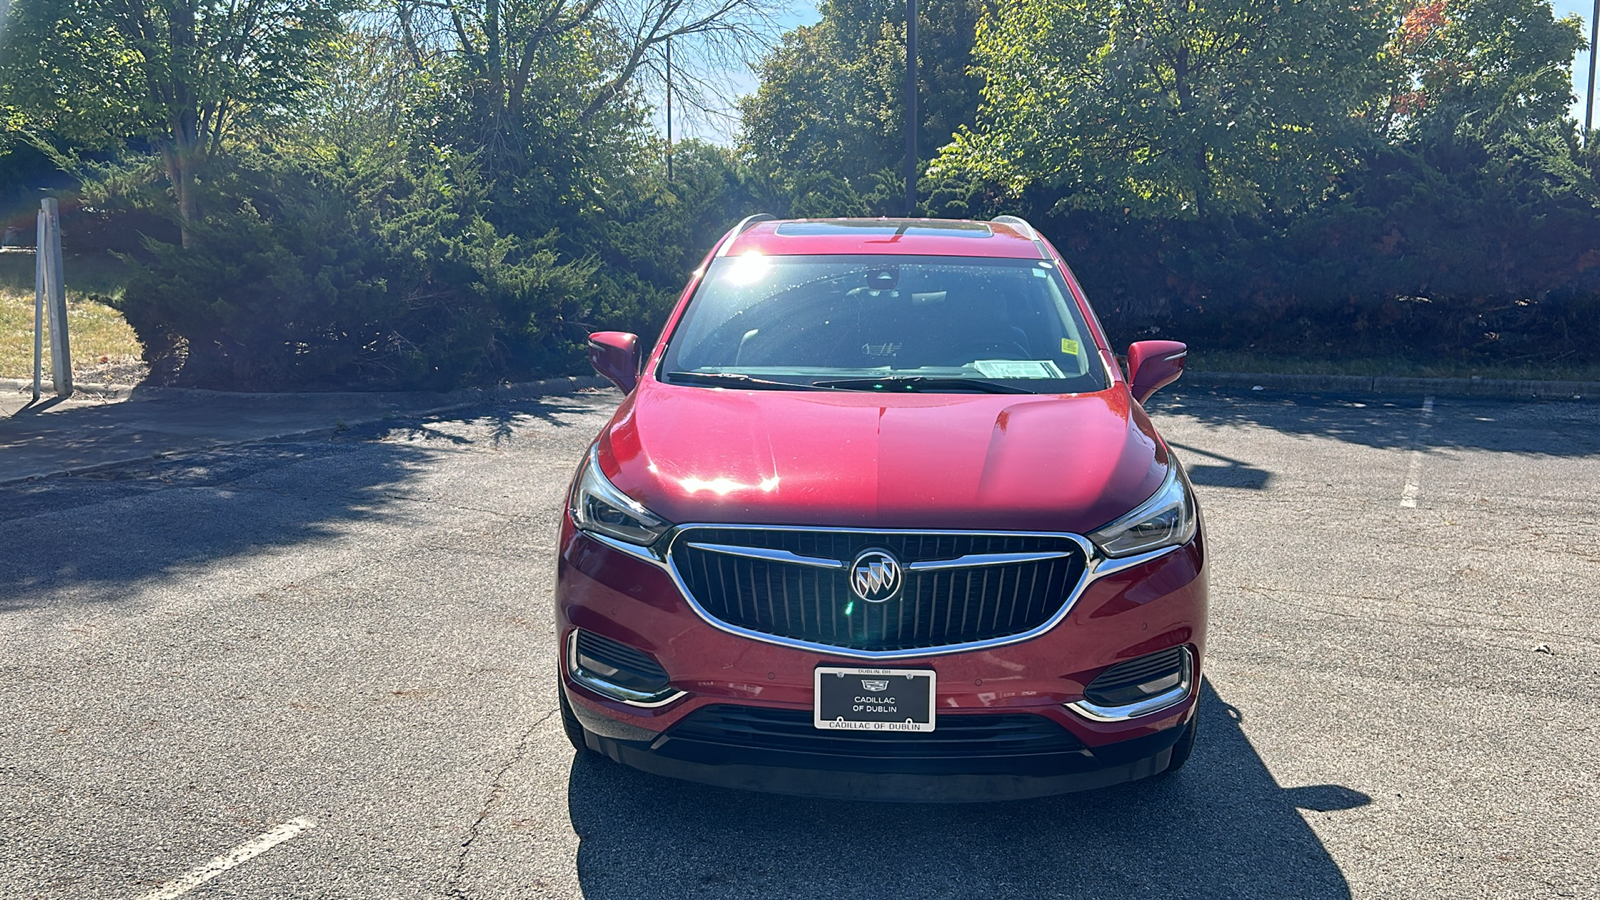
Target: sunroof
<point>882,228</point>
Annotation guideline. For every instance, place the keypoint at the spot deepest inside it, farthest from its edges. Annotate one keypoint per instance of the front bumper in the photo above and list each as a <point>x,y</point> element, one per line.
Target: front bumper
<point>686,753</point>
<point>1154,606</point>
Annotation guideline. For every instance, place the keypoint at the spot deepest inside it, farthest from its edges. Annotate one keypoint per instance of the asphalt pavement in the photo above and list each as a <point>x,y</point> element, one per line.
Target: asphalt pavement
<point>102,426</point>
<point>323,666</point>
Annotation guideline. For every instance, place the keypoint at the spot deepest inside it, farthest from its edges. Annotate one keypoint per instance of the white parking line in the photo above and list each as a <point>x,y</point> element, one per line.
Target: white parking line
<point>1408,496</point>
<point>242,853</point>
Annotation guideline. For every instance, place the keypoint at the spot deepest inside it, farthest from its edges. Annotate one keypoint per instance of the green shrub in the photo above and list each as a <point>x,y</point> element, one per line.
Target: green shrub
<point>306,275</point>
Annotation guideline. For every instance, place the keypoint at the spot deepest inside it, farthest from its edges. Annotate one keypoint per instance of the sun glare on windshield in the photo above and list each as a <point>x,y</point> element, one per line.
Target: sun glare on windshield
<point>810,320</point>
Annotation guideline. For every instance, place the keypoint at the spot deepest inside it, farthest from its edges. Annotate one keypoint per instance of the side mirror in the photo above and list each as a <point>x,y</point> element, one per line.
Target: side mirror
<point>615,355</point>
<point>1152,365</point>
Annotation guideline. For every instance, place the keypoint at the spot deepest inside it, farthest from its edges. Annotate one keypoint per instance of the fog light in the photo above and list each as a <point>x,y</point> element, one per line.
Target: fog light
<point>613,669</point>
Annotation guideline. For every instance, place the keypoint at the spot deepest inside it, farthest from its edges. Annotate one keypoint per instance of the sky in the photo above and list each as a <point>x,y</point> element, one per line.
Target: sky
<point>739,82</point>
<point>804,12</point>
<point>1580,69</point>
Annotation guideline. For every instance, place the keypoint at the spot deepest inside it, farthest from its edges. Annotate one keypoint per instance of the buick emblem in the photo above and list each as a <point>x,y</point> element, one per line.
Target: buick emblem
<point>875,576</point>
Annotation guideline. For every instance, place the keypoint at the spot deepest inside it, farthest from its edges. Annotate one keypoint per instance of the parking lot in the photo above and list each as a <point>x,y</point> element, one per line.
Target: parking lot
<point>346,644</point>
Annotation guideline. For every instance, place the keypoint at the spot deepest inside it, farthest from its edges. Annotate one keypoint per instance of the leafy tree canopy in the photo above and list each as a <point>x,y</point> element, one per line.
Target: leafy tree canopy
<point>827,126</point>
<point>1172,108</point>
<point>183,74</point>
<point>1484,66</point>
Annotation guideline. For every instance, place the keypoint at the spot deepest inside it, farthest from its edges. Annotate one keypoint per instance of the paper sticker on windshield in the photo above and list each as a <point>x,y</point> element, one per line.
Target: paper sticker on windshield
<point>1017,368</point>
<point>1069,347</point>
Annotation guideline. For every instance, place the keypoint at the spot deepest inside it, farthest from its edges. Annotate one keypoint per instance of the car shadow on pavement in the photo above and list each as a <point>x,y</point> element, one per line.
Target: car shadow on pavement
<point>1221,471</point>
<point>1221,827</point>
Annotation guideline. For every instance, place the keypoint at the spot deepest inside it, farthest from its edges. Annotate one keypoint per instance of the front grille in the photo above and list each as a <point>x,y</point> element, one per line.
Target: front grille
<point>1138,679</point>
<point>935,608</point>
<point>969,742</point>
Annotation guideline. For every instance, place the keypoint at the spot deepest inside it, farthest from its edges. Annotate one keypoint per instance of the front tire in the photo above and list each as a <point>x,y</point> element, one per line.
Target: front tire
<point>570,724</point>
<point>1184,746</point>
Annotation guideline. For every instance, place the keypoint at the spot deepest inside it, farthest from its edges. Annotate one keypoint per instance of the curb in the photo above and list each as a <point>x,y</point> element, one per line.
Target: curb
<point>79,391</point>
<point>1359,384</point>
<point>511,391</point>
<point>521,390</point>
<point>1504,388</point>
<point>388,406</point>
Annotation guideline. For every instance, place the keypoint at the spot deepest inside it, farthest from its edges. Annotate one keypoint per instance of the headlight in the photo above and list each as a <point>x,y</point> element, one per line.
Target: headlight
<point>1167,519</point>
<point>598,507</point>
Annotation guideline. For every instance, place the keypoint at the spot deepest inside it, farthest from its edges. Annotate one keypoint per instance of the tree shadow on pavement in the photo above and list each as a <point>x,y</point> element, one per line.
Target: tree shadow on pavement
<point>1546,427</point>
<point>91,538</point>
<point>1221,827</point>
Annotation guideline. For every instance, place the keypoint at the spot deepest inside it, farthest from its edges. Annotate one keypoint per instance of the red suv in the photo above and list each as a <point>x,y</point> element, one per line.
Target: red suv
<point>880,517</point>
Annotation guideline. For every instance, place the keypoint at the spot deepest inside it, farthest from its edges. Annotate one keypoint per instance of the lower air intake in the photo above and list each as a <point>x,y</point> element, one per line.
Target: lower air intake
<point>1139,679</point>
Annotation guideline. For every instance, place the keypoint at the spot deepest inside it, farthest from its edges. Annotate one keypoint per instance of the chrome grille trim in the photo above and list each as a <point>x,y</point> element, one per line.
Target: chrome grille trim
<point>783,556</point>
<point>1100,566</point>
<point>940,576</point>
<point>974,560</point>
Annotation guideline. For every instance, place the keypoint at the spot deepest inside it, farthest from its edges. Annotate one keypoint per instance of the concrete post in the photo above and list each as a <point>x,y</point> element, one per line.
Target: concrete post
<point>53,292</point>
<point>38,307</point>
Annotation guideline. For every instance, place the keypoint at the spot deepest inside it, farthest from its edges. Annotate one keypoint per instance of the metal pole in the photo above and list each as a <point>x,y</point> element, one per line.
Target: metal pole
<point>911,107</point>
<point>55,287</point>
<point>669,107</point>
<point>1588,103</point>
<point>38,307</point>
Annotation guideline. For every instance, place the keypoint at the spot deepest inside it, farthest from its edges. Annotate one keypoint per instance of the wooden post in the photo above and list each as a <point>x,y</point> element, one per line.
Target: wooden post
<point>55,291</point>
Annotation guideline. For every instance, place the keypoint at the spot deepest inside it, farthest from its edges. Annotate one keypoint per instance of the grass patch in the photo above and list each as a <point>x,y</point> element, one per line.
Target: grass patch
<point>104,348</point>
<point>1245,361</point>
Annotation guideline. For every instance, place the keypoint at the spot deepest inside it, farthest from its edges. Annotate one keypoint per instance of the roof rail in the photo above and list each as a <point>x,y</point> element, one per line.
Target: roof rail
<point>1017,222</point>
<point>1028,230</point>
<point>739,229</point>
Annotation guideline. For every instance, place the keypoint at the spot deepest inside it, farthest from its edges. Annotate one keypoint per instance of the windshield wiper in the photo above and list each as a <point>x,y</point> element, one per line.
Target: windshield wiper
<point>736,380</point>
<point>912,383</point>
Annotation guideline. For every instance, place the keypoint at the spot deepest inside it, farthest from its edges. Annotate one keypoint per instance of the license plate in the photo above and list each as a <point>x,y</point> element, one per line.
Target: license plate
<point>874,699</point>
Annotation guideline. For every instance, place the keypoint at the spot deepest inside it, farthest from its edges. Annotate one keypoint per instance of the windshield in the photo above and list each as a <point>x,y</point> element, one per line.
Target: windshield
<point>925,323</point>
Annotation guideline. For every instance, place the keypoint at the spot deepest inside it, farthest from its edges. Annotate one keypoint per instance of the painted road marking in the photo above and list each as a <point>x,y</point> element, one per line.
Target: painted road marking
<point>1408,496</point>
<point>242,853</point>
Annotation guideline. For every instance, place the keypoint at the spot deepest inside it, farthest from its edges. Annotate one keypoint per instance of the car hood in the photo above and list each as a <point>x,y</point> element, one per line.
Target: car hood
<point>852,459</point>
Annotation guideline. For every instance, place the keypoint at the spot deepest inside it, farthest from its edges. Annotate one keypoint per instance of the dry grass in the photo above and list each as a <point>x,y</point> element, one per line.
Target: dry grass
<point>104,348</point>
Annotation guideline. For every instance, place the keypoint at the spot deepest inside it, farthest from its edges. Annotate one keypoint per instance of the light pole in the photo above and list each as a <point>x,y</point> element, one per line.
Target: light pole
<point>669,107</point>
<point>911,106</point>
<point>1588,103</point>
<point>1589,96</point>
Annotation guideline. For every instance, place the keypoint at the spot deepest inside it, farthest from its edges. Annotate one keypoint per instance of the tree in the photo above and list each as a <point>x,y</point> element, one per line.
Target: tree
<point>520,64</point>
<point>360,106</point>
<point>1486,66</point>
<point>1172,108</point>
<point>827,125</point>
<point>183,74</point>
